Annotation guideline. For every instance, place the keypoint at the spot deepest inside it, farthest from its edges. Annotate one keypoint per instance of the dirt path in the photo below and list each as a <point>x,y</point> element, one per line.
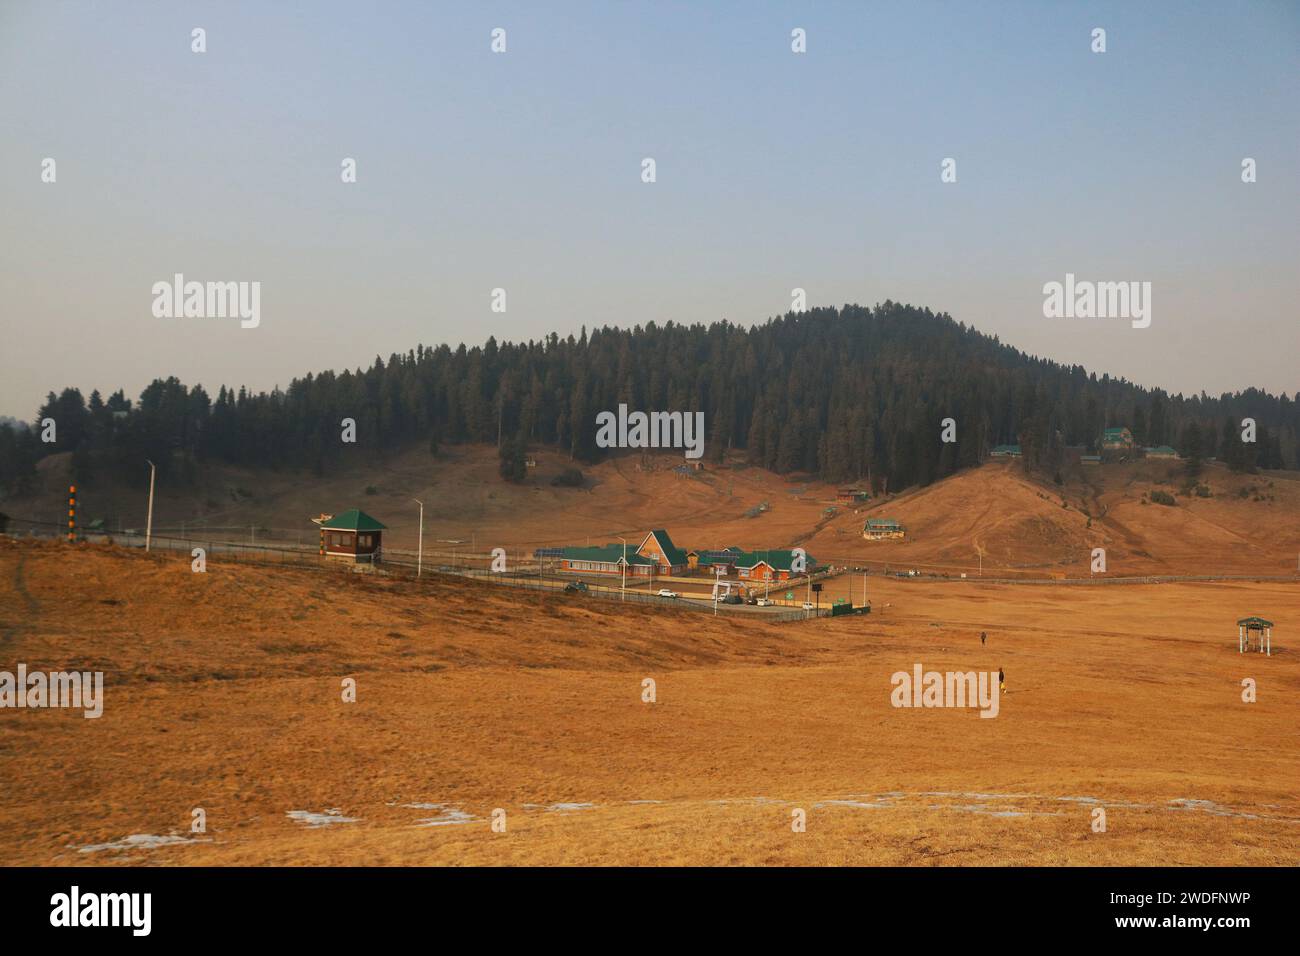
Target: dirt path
<point>11,628</point>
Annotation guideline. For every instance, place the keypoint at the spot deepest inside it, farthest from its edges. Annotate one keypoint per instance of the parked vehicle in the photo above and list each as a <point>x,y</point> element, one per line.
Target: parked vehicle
<point>575,586</point>
<point>733,599</point>
<point>809,606</point>
<point>664,592</point>
<point>765,602</point>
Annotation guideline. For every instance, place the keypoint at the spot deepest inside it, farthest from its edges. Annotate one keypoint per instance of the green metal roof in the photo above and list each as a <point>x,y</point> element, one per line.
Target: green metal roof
<point>1117,432</point>
<point>884,523</point>
<point>779,559</point>
<point>1254,622</point>
<point>709,556</point>
<point>1006,450</point>
<point>353,519</point>
<point>672,553</point>
<point>605,553</point>
<point>1161,450</point>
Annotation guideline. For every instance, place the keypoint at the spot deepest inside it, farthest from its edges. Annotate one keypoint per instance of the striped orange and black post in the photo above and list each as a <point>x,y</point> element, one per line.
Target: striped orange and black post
<point>72,513</point>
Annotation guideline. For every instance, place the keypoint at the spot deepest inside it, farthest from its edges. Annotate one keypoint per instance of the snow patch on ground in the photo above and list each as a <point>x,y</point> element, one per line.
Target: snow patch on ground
<point>139,841</point>
<point>314,820</point>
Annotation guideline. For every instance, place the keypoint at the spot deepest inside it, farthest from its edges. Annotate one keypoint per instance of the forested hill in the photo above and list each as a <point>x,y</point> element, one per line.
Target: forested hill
<point>842,393</point>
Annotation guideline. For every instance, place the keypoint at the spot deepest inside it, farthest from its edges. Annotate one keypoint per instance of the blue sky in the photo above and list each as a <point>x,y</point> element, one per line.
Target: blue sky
<point>521,171</point>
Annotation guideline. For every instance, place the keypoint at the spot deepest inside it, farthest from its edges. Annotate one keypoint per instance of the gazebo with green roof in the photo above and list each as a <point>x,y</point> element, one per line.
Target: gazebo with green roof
<point>1255,625</point>
<point>351,536</point>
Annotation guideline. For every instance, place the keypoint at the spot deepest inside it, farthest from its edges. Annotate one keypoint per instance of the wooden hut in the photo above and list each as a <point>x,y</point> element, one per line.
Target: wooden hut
<point>351,536</point>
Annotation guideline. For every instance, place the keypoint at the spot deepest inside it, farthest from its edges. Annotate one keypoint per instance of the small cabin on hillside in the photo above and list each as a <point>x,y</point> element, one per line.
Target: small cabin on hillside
<point>1161,451</point>
<point>881,529</point>
<point>1118,439</point>
<point>1005,451</point>
<point>351,536</point>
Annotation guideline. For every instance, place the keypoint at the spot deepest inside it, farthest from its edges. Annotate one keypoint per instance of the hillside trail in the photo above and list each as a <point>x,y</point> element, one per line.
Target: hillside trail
<point>31,605</point>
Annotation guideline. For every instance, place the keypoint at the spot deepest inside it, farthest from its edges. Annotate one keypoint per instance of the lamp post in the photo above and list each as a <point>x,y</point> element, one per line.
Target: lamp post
<point>148,527</point>
<point>419,554</point>
<point>623,595</point>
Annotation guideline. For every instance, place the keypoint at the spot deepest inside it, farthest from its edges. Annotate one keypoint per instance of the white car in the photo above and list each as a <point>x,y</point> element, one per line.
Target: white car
<point>809,606</point>
<point>664,592</point>
<point>764,602</point>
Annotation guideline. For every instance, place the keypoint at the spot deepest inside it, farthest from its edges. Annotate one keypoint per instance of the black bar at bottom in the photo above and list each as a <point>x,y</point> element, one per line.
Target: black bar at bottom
<point>329,905</point>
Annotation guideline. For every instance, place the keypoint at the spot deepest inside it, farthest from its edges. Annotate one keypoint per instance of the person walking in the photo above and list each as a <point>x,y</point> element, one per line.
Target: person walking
<point>983,637</point>
<point>1002,681</point>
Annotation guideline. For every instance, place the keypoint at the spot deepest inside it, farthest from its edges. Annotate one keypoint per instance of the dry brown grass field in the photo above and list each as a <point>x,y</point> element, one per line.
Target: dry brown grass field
<point>223,691</point>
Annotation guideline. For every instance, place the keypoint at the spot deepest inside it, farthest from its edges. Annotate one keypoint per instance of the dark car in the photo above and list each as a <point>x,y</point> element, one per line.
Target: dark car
<point>576,586</point>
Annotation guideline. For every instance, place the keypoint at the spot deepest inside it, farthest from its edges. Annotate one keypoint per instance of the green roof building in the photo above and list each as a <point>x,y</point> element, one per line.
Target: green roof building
<point>878,529</point>
<point>351,536</point>
<point>771,565</point>
<point>1118,437</point>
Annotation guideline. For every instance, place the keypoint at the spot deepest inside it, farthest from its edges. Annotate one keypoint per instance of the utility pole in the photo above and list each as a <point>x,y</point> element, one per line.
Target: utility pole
<point>419,554</point>
<point>148,527</point>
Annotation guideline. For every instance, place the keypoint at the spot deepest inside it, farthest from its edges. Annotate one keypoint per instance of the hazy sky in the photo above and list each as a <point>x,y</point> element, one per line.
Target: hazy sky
<point>522,171</point>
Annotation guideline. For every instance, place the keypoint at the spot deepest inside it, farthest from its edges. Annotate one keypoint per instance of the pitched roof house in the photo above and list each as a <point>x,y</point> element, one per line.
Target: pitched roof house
<point>351,536</point>
<point>773,565</point>
<point>877,529</point>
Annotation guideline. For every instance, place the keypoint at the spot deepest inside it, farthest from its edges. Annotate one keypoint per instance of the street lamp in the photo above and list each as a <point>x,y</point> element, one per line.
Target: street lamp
<point>419,554</point>
<point>148,527</point>
<point>624,589</point>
